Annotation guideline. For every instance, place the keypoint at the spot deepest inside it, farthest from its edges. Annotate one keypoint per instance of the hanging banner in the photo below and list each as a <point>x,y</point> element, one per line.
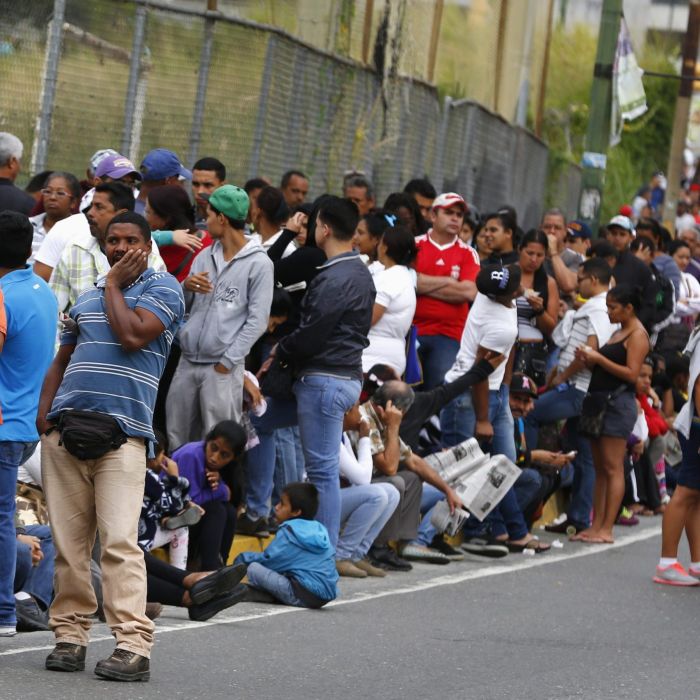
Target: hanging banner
<point>629,100</point>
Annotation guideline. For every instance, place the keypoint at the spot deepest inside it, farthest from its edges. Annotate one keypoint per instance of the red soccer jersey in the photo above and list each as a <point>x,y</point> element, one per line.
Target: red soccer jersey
<point>456,260</point>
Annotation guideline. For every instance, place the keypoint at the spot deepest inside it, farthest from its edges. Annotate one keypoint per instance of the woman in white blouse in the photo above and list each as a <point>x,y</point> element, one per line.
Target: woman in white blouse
<point>688,302</point>
<point>395,304</point>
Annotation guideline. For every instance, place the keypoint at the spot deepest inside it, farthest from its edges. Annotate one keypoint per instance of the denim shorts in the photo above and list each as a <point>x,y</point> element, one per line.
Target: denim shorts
<point>620,416</point>
<point>688,473</point>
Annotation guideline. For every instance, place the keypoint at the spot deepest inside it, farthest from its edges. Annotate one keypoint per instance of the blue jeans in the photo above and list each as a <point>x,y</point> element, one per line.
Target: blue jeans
<point>289,460</point>
<point>364,510</point>
<point>36,580</point>
<point>527,486</point>
<point>322,402</point>
<point>429,499</point>
<point>458,421</point>
<point>565,404</point>
<point>437,355</point>
<point>260,462</point>
<point>280,586</point>
<point>12,454</point>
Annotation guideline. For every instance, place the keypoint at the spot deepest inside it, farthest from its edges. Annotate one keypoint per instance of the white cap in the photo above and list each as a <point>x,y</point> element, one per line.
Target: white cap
<point>449,199</point>
<point>623,222</point>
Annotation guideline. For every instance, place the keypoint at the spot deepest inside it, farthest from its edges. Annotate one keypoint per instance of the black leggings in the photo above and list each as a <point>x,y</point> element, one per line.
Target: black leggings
<point>212,536</point>
<point>165,582</point>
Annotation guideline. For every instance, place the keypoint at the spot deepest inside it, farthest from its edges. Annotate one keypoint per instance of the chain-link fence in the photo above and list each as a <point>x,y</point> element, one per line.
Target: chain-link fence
<point>136,75</point>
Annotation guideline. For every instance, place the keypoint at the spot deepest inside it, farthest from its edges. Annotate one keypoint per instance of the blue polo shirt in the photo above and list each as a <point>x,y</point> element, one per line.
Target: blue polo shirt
<point>32,313</point>
<point>101,376</point>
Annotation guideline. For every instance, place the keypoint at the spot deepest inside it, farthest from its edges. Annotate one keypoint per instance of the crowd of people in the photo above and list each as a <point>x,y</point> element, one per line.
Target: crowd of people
<point>200,361</point>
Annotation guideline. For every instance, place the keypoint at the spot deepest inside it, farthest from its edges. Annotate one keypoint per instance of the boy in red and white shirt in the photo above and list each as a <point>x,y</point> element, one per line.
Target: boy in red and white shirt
<point>446,272</point>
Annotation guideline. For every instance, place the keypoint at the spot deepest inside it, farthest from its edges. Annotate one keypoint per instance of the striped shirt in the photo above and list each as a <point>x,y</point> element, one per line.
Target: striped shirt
<point>101,376</point>
<point>580,330</point>
<point>81,264</point>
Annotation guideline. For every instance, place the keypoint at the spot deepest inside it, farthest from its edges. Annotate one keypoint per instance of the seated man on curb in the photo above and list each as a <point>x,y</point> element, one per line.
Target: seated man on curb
<point>539,477</point>
<point>401,467</point>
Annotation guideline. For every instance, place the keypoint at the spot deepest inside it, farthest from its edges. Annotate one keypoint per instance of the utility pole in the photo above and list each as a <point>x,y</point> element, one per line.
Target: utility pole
<point>681,116</point>
<point>598,131</point>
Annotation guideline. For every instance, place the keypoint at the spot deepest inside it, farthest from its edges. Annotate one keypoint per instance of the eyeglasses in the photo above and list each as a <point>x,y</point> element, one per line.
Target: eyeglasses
<point>59,193</point>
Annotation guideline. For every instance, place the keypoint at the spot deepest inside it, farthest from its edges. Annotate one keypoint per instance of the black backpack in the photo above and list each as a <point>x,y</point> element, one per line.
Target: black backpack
<point>664,301</point>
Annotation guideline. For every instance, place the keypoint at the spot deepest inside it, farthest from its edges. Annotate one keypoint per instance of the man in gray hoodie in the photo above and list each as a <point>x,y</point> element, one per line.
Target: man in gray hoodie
<point>227,296</point>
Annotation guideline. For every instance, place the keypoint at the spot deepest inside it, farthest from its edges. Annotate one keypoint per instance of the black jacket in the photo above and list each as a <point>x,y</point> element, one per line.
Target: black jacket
<point>632,272</point>
<point>13,198</point>
<point>336,315</point>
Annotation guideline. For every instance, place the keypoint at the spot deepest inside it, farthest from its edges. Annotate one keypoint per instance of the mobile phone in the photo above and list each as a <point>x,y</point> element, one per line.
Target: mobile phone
<point>571,455</point>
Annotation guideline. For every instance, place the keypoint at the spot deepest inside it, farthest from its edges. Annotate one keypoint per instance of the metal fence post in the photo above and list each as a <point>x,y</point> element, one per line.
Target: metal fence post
<point>201,96</point>
<point>262,106</point>
<point>134,74</point>
<point>439,165</point>
<point>52,56</point>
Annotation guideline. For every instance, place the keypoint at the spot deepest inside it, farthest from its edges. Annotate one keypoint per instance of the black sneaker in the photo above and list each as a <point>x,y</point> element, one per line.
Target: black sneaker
<point>66,657</point>
<point>272,525</point>
<point>485,546</point>
<point>386,558</point>
<point>568,527</point>
<point>30,617</point>
<point>124,665</point>
<point>218,583</point>
<point>186,517</point>
<point>250,527</point>
<point>446,548</point>
<point>200,613</point>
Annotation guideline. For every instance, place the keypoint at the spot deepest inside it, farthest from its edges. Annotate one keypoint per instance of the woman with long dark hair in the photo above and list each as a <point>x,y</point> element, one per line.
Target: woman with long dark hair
<point>616,366</point>
<point>168,209</point>
<point>537,307</point>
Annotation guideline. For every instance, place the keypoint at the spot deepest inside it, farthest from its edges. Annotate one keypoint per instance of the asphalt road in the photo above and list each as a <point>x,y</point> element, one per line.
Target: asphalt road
<point>580,622</point>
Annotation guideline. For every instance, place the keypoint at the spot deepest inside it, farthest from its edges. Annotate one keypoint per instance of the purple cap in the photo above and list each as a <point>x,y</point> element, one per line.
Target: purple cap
<point>116,166</point>
<point>160,164</point>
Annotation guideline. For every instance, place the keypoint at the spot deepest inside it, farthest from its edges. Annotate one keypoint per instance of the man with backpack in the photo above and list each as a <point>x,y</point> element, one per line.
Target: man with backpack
<point>631,271</point>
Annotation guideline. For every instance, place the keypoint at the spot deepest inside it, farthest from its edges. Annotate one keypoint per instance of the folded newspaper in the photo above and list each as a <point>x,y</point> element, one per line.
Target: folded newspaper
<point>480,481</point>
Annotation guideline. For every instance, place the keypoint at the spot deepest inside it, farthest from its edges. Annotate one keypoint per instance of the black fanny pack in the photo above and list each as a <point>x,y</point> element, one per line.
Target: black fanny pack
<point>88,435</point>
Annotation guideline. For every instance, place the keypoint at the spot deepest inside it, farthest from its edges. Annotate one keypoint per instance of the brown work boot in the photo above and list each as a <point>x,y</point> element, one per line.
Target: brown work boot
<point>66,657</point>
<point>346,568</point>
<point>124,665</point>
<point>370,570</point>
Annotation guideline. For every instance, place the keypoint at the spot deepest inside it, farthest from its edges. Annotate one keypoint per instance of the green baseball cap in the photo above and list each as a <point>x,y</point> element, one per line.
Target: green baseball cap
<point>231,201</point>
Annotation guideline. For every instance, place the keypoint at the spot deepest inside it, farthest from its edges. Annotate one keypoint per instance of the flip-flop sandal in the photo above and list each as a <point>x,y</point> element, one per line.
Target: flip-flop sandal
<point>533,545</point>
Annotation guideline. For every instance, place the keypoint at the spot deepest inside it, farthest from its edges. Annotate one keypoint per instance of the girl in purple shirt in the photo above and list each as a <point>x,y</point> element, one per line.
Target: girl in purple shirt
<point>210,466</point>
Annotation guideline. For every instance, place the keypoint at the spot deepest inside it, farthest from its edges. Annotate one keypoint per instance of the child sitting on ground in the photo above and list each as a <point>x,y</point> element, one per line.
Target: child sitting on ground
<point>167,509</point>
<point>298,567</point>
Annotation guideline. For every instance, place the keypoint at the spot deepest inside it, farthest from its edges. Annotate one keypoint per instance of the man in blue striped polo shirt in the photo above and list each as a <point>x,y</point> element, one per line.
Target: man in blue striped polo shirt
<point>112,355</point>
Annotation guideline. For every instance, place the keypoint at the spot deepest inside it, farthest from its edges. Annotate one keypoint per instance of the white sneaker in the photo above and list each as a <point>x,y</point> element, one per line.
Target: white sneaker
<point>675,575</point>
<point>11,631</point>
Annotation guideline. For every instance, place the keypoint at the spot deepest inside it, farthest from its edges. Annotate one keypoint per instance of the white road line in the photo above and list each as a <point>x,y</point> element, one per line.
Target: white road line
<point>436,582</point>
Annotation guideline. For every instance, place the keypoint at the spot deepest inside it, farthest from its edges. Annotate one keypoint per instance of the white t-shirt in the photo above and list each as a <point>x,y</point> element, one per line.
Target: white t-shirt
<point>491,326</point>
<point>387,337</point>
<point>61,234</point>
<point>271,241</point>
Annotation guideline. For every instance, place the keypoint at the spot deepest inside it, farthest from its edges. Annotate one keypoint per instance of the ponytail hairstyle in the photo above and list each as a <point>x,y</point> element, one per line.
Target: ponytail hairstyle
<point>624,294</point>
<point>400,245</point>
<point>535,236</point>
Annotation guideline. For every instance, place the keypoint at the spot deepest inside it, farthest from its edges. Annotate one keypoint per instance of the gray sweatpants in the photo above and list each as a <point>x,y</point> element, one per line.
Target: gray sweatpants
<point>199,398</point>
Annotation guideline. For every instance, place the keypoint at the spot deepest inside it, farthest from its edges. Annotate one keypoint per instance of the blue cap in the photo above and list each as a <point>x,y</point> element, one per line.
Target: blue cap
<point>160,164</point>
<point>578,229</point>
